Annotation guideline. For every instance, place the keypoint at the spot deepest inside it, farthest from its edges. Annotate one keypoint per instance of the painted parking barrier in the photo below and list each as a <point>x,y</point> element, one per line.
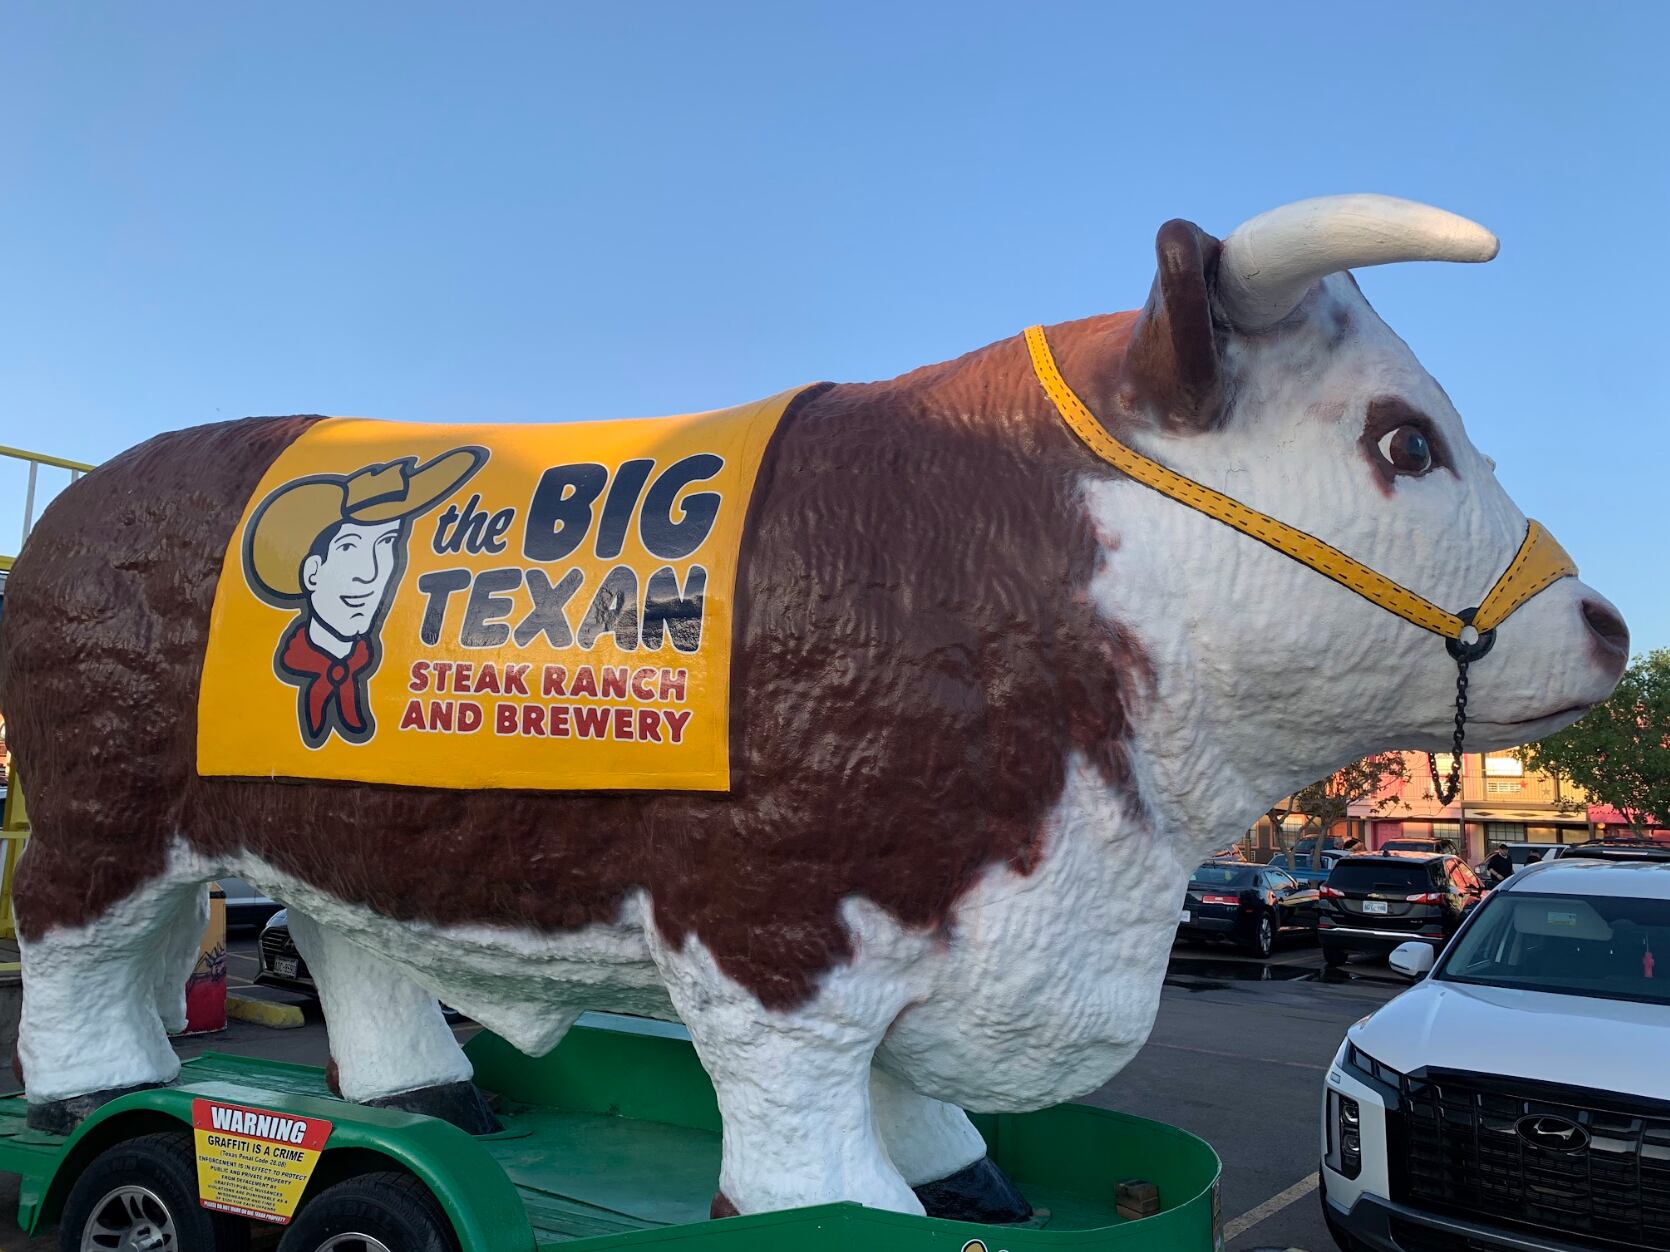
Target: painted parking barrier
<point>263,1012</point>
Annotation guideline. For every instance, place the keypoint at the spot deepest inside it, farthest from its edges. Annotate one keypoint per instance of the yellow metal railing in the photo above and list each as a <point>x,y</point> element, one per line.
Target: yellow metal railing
<point>14,817</point>
<point>41,458</point>
<point>35,460</point>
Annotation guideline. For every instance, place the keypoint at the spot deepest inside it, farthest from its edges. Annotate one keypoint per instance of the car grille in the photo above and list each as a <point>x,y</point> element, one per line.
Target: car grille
<point>1456,1149</point>
<point>276,943</point>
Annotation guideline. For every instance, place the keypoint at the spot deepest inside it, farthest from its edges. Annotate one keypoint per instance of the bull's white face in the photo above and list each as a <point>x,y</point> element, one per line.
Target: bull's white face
<point>1268,674</point>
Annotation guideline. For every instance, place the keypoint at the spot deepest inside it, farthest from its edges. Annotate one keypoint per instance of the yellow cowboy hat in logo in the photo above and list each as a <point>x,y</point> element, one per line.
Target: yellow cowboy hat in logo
<point>293,517</point>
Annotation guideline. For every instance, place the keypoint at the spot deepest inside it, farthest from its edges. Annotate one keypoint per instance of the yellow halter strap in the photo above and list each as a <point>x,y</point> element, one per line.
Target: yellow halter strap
<point>1539,562</point>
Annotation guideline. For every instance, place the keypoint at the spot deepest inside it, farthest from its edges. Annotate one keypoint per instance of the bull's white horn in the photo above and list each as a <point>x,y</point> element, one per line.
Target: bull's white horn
<point>1269,263</point>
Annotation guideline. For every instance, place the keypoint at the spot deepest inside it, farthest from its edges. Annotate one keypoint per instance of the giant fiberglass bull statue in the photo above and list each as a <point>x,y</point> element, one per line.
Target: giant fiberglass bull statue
<point>873,730</point>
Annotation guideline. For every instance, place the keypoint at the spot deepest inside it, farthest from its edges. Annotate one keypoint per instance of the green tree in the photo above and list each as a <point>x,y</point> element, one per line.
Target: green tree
<point>1375,781</point>
<point>1619,751</point>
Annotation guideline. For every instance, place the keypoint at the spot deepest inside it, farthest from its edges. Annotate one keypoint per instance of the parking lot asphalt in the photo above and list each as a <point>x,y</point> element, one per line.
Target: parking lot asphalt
<point>1237,1056</point>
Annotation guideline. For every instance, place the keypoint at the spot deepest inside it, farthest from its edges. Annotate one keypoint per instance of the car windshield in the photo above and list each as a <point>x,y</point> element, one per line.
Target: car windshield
<point>1223,876</point>
<point>1387,877</point>
<point>1303,859</point>
<point>1608,947</point>
<point>1408,845</point>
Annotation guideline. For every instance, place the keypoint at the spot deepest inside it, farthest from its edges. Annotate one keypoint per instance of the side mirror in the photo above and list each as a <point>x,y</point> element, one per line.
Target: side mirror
<point>1413,960</point>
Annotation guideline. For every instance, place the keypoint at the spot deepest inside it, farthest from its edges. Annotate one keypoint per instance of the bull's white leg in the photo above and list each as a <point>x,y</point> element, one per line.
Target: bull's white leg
<point>942,1156</point>
<point>926,1138</point>
<point>387,1034</point>
<point>90,1022</point>
<point>179,941</point>
<point>793,1089</point>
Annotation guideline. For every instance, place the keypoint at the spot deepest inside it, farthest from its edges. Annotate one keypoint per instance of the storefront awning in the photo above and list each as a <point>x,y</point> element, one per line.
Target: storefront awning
<point>1532,817</point>
<point>1606,815</point>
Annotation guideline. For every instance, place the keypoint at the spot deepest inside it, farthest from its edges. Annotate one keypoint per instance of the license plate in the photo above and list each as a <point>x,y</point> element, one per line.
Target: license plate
<point>284,966</point>
<point>1374,906</point>
<point>1183,918</point>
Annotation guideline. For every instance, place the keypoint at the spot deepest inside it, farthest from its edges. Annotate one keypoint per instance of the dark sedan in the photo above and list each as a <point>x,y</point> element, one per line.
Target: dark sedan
<point>1252,905</point>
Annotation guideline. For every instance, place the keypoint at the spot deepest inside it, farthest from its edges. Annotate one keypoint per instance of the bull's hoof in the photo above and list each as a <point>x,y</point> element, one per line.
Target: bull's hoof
<point>60,1117</point>
<point>980,1192</point>
<point>460,1103</point>
<point>722,1206</point>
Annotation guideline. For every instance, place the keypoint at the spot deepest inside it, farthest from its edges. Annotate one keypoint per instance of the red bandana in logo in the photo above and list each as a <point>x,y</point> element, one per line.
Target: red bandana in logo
<point>333,678</point>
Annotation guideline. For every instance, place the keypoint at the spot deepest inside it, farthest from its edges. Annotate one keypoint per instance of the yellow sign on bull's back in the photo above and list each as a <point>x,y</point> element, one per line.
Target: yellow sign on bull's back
<point>541,607</point>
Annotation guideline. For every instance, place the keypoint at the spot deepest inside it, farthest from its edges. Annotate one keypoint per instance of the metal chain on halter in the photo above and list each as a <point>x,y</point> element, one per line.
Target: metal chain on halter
<point>1446,790</point>
<point>1470,647</point>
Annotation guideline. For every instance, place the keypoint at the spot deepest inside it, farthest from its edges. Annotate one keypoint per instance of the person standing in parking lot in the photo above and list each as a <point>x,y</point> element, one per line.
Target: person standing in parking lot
<point>1497,866</point>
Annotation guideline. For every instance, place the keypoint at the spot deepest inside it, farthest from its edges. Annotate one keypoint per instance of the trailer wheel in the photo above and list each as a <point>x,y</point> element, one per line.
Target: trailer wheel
<point>142,1195</point>
<point>385,1212</point>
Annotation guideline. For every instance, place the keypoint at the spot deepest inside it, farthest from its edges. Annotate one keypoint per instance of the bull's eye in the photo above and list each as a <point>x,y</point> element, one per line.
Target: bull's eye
<point>1407,450</point>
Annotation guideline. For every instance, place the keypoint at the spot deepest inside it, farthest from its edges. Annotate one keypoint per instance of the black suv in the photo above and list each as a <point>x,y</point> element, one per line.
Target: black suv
<point>1373,903</point>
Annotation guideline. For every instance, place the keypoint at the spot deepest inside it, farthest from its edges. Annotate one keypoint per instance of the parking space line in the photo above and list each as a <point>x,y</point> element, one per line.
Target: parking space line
<point>1238,1056</point>
<point>1270,1207</point>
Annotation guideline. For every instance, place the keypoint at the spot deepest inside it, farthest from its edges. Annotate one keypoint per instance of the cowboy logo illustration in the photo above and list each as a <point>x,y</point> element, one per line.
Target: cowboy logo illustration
<point>333,546</point>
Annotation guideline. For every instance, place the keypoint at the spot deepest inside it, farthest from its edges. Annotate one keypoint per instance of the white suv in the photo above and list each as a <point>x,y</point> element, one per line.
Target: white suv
<point>1518,1097</point>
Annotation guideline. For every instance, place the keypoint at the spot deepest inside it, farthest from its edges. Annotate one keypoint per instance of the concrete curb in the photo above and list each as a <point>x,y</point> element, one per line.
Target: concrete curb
<point>264,1013</point>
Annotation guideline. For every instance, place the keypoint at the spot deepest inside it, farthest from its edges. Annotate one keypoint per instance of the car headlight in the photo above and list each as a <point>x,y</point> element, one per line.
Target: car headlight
<point>1344,1114</point>
<point>1345,1135</point>
<point>1364,1066</point>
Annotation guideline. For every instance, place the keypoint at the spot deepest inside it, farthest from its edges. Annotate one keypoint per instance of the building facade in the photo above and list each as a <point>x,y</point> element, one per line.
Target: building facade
<point>1500,801</point>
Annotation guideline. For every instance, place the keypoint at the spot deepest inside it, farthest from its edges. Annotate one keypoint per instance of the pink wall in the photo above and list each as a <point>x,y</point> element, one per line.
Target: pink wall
<point>1415,793</point>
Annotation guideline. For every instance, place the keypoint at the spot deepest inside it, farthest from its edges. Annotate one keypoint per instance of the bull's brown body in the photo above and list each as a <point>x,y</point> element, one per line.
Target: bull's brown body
<point>915,660</point>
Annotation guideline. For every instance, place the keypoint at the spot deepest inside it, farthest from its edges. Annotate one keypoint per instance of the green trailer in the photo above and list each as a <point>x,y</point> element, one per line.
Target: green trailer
<point>612,1141</point>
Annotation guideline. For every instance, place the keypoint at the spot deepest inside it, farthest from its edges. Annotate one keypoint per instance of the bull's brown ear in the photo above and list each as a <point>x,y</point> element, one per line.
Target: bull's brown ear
<point>1172,368</point>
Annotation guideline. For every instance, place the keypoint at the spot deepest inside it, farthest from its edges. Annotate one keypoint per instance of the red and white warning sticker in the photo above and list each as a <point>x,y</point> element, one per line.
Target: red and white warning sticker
<point>254,1162</point>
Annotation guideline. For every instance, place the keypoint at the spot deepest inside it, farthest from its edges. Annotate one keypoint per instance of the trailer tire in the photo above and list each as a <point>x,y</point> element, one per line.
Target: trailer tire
<point>358,1214</point>
<point>151,1179</point>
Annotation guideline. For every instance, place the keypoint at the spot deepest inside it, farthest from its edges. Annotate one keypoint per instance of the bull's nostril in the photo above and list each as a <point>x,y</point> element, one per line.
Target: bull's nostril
<point>1607,626</point>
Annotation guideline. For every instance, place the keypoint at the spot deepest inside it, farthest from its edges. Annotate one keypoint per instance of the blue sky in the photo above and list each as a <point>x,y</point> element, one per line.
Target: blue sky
<point>537,212</point>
